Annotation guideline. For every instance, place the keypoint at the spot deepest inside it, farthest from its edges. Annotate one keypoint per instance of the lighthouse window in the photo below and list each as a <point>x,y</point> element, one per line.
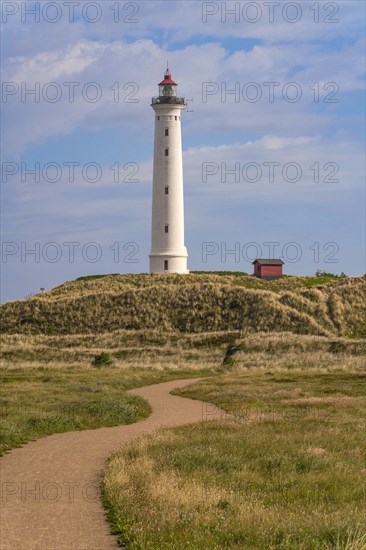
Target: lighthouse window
<point>167,229</point>
<point>165,265</point>
<point>158,118</point>
<point>167,190</point>
<point>167,152</point>
<point>166,131</point>
<point>176,118</point>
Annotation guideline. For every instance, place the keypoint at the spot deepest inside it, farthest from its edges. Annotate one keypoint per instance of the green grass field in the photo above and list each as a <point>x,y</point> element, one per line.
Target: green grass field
<point>48,384</point>
<point>40,401</point>
<point>286,472</point>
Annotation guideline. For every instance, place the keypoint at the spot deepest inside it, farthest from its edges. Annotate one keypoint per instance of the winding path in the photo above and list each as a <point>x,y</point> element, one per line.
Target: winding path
<point>50,487</point>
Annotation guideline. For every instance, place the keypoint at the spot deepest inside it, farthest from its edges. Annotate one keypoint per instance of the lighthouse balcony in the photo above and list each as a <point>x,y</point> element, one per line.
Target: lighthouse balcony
<point>172,100</point>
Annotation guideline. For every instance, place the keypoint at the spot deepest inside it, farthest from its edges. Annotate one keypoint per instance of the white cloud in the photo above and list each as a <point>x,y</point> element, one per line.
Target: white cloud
<point>220,130</point>
<point>87,62</point>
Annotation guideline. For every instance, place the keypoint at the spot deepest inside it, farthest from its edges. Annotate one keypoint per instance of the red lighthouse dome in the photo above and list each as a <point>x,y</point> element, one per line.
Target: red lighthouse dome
<point>167,79</point>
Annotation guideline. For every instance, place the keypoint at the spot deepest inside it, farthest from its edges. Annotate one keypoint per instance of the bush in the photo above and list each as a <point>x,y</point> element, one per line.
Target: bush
<point>321,273</point>
<point>102,360</point>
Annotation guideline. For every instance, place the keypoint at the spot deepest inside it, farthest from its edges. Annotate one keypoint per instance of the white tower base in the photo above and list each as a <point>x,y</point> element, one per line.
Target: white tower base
<point>176,263</point>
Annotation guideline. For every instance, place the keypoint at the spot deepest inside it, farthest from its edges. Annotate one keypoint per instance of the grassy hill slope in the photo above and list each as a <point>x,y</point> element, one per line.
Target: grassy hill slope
<point>199,302</point>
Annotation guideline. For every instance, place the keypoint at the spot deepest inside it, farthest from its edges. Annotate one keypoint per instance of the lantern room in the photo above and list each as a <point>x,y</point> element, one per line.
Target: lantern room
<point>168,92</point>
<point>167,87</point>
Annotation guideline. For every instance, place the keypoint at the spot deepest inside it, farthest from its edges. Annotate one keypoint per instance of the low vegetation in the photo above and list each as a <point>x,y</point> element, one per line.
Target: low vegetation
<point>283,468</point>
<point>52,384</point>
<point>40,401</point>
<point>127,349</point>
<point>102,360</point>
<point>194,303</point>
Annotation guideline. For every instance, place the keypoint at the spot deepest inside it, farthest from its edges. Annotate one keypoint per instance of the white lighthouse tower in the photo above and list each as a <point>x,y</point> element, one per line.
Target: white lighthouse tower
<point>168,252</point>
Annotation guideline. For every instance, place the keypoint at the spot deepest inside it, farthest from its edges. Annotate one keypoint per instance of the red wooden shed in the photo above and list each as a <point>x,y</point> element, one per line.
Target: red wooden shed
<point>268,269</point>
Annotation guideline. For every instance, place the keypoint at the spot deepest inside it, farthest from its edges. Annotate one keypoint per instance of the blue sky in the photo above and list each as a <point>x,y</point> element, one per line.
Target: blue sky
<point>313,210</point>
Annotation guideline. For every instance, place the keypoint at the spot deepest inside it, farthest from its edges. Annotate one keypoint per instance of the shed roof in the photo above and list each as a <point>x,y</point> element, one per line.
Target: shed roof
<point>263,261</point>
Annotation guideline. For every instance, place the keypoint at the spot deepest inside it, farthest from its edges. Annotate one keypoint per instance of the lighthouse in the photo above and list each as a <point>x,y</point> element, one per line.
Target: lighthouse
<point>168,252</point>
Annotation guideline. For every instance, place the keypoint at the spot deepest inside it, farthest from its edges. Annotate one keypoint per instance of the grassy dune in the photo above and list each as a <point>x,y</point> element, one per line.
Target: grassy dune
<point>194,303</point>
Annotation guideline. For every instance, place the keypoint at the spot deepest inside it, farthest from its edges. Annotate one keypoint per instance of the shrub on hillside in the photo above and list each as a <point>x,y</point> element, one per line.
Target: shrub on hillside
<point>102,360</point>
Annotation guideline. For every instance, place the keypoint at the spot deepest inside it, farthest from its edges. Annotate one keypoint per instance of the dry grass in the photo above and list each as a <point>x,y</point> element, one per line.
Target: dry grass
<point>275,474</point>
<point>128,349</point>
<point>286,351</point>
<point>48,383</point>
<point>149,349</point>
<point>192,304</point>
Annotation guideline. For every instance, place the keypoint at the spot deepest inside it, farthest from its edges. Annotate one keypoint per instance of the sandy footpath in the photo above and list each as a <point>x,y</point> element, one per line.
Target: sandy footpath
<point>50,488</point>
